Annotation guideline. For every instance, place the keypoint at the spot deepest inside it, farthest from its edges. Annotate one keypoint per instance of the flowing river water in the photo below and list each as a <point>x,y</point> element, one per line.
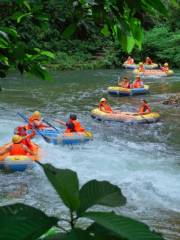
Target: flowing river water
<point>143,160</point>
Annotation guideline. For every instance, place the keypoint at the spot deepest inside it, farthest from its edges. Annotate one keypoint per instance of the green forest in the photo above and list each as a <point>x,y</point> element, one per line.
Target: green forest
<point>92,34</point>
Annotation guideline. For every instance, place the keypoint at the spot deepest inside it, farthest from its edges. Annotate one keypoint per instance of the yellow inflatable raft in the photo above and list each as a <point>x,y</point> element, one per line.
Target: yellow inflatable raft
<point>152,73</point>
<point>127,117</point>
<point>18,162</point>
<point>130,66</point>
<point>119,91</point>
<point>151,66</point>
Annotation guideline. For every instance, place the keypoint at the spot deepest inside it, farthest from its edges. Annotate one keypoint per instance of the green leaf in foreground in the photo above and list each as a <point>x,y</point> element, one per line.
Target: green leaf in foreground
<point>75,234</point>
<point>66,184</point>
<point>102,233</point>
<point>102,193</point>
<point>22,222</point>
<point>123,226</point>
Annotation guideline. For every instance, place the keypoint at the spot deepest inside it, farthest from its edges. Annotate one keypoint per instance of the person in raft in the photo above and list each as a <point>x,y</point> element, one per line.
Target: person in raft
<point>148,61</point>
<point>72,125</point>
<point>138,83</point>
<point>26,138</point>
<point>17,147</point>
<point>125,83</point>
<point>129,60</point>
<point>144,107</point>
<point>141,67</point>
<point>104,106</point>
<point>165,68</point>
<point>35,120</point>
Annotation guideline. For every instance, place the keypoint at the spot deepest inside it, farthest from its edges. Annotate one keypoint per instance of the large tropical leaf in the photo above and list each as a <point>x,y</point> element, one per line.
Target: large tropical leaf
<point>11,31</point>
<point>123,226</point>
<point>22,222</point>
<point>102,233</point>
<point>75,234</point>
<point>100,192</point>
<point>66,184</point>
<point>47,54</point>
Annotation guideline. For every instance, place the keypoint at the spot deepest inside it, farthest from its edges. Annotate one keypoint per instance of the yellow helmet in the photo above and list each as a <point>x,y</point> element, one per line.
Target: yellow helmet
<point>140,63</point>
<point>166,64</point>
<point>103,100</point>
<point>16,139</point>
<point>36,114</point>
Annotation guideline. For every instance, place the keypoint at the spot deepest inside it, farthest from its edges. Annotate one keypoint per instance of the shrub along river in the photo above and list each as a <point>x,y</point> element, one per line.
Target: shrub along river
<point>141,159</point>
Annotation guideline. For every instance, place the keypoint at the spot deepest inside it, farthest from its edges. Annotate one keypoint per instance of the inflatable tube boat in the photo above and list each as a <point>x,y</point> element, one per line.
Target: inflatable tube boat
<point>18,162</point>
<point>127,117</point>
<point>130,66</point>
<point>71,138</point>
<point>119,91</point>
<point>151,73</point>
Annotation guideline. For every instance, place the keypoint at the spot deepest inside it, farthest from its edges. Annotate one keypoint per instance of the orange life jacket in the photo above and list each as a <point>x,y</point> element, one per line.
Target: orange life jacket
<point>27,142</point>
<point>165,69</point>
<point>145,108</point>
<point>137,84</point>
<point>126,85</point>
<point>17,149</point>
<point>105,107</point>
<point>130,61</point>
<point>77,127</point>
<point>31,123</point>
<point>149,62</point>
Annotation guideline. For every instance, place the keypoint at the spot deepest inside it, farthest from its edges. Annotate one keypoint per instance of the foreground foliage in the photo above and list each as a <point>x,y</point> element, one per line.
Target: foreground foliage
<point>22,222</point>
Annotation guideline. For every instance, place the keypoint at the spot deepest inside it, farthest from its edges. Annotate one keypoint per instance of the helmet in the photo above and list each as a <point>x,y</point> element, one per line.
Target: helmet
<point>36,114</point>
<point>103,100</point>
<point>166,64</point>
<point>140,63</point>
<point>16,139</point>
<point>73,116</point>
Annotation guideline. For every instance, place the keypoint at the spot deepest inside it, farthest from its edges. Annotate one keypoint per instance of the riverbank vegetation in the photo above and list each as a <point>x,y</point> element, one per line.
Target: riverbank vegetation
<point>86,34</point>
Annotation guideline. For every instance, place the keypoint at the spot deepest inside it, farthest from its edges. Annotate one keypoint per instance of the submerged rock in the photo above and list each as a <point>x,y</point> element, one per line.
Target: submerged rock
<point>173,100</point>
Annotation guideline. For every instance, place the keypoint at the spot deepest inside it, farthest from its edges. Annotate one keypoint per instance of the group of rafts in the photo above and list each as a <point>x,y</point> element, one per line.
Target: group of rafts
<point>22,152</point>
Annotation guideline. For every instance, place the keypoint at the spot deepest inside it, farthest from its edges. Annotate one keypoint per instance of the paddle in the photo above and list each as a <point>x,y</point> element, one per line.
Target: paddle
<point>34,128</point>
<point>48,123</point>
<point>60,122</point>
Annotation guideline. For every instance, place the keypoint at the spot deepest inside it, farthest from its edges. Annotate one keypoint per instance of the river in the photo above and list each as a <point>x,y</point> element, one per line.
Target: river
<point>141,159</point>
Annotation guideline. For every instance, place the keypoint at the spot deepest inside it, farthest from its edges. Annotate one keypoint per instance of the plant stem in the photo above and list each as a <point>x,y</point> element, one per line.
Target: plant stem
<point>72,219</point>
<point>62,228</point>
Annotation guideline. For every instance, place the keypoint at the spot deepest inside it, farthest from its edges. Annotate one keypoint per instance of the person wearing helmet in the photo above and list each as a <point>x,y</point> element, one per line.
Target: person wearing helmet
<point>72,125</point>
<point>35,120</point>
<point>104,106</point>
<point>144,108</point>
<point>148,61</point>
<point>129,60</point>
<point>141,67</point>
<point>17,147</point>
<point>138,83</point>
<point>124,83</point>
<point>26,138</point>
<point>165,68</point>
